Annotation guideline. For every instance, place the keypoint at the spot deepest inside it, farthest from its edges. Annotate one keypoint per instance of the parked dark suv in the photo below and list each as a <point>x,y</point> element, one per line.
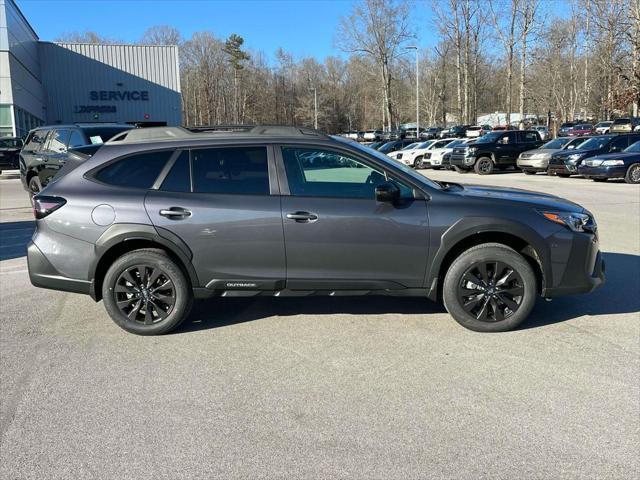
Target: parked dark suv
<point>494,150</point>
<point>46,149</point>
<point>9,152</point>
<point>154,219</point>
<point>566,163</point>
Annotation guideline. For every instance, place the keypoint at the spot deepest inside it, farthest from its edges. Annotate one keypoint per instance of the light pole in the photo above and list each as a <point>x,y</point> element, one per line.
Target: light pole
<point>414,47</point>
<point>315,107</point>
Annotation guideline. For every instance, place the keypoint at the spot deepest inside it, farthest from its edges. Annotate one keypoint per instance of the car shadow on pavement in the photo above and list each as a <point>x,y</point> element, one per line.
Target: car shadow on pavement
<point>620,294</point>
<point>222,312</point>
<point>14,237</point>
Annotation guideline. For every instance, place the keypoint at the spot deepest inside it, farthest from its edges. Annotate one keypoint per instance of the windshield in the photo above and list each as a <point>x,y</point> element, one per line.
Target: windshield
<point>557,143</point>
<point>603,124</point>
<point>411,146</point>
<point>621,121</point>
<point>99,135</point>
<point>633,148</point>
<point>387,147</point>
<point>392,163</point>
<point>567,125</point>
<point>426,144</point>
<point>595,143</point>
<point>10,143</point>
<point>490,137</point>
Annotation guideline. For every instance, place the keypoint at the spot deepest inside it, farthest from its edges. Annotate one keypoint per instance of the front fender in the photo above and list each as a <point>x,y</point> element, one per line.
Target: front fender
<point>470,226</point>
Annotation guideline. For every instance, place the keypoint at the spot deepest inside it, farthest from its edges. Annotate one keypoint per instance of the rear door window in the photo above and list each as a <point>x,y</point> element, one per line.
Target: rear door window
<point>76,139</point>
<point>135,171</point>
<point>528,137</point>
<point>619,143</point>
<point>58,141</point>
<point>230,170</point>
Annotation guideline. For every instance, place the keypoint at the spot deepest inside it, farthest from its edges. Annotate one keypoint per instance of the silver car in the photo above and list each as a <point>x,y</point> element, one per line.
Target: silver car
<point>534,161</point>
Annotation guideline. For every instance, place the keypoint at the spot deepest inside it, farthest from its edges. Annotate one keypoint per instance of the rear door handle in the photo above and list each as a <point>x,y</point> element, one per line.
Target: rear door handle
<point>175,213</point>
<point>302,217</point>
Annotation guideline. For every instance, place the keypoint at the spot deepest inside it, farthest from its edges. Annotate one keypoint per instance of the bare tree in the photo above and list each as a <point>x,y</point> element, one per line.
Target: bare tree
<point>508,40</point>
<point>161,35</point>
<point>526,21</point>
<point>378,29</point>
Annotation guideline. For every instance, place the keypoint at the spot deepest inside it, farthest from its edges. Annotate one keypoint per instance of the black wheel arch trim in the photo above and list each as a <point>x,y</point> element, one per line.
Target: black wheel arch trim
<point>120,233</point>
<point>471,226</point>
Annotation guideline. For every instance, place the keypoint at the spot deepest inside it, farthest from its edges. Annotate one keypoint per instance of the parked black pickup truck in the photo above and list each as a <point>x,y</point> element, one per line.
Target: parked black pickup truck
<point>498,149</point>
<point>9,153</point>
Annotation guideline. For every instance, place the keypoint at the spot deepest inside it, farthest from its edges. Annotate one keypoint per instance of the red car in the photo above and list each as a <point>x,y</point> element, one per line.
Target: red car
<point>581,129</point>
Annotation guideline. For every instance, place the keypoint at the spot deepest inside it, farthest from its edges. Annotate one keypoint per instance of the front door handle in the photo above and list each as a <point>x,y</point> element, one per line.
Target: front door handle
<point>175,213</point>
<point>302,217</point>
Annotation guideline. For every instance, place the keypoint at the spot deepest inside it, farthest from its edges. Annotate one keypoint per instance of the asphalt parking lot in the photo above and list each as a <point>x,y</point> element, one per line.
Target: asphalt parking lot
<point>326,387</point>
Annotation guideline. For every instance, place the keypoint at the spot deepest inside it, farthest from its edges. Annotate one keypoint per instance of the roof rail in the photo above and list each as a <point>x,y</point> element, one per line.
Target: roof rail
<point>141,135</point>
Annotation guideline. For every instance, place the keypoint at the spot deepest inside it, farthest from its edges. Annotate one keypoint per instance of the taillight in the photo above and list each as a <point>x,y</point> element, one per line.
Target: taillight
<point>44,205</point>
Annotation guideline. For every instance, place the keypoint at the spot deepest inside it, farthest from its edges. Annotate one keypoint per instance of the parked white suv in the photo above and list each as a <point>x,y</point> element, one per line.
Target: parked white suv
<point>602,128</point>
<point>433,158</point>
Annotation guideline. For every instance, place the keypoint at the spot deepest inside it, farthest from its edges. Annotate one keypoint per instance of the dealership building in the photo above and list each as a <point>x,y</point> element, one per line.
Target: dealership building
<point>44,83</point>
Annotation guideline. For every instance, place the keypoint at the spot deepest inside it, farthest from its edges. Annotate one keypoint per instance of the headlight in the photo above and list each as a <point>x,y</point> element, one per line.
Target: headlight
<point>613,163</point>
<point>575,157</point>
<point>578,222</point>
<point>472,150</point>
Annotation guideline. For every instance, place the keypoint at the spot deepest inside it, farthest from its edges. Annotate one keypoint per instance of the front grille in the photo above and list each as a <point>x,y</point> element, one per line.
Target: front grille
<point>556,161</point>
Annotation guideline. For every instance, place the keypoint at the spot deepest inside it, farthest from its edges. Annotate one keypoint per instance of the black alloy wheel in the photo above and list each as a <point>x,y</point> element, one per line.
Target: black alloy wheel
<point>35,186</point>
<point>484,166</point>
<point>145,294</point>
<point>491,291</point>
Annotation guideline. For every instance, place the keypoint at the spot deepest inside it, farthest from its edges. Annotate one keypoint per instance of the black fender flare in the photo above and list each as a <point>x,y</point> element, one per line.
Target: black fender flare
<point>470,226</point>
<point>119,233</point>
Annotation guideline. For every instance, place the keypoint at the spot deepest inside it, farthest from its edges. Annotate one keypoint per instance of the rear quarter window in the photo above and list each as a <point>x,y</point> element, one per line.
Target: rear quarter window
<point>135,171</point>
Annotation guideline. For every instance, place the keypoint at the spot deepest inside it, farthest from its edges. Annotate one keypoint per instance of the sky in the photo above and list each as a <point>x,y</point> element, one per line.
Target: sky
<point>301,27</point>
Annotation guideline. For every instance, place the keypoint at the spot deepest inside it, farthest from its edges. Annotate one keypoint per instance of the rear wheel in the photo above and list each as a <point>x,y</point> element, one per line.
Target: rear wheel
<point>633,174</point>
<point>146,293</point>
<point>460,169</point>
<point>484,166</point>
<point>490,288</point>
<point>35,186</point>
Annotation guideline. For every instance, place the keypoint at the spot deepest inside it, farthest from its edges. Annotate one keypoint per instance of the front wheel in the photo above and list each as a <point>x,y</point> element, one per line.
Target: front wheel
<point>633,174</point>
<point>146,293</point>
<point>417,163</point>
<point>484,166</point>
<point>490,288</point>
<point>35,185</point>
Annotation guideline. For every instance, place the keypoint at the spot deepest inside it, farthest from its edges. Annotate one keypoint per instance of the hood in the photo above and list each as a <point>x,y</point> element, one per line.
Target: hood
<point>525,197</point>
<point>616,155</point>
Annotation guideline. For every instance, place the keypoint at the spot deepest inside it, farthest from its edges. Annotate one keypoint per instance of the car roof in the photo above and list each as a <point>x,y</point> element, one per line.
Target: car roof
<point>85,125</point>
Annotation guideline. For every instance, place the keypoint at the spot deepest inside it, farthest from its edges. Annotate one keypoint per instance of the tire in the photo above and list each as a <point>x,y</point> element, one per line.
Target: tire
<point>460,169</point>
<point>35,186</point>
<point>528,172</point>
<point>633,174</point>
<point>484,166</point>
<point>521,288</point>
<point>122,284</point>
<point>417,163</point>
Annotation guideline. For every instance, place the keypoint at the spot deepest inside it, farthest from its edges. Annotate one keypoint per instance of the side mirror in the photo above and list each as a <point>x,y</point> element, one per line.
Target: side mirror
<point>614,149</point>
<point>387,192</point>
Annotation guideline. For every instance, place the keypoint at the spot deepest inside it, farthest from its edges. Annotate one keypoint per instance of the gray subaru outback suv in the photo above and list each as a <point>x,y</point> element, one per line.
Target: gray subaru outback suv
<point>158,217</point>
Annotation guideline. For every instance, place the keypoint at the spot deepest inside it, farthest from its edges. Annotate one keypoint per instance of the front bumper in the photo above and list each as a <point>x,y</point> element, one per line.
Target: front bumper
<point>533,165</point>
<point>618,171</point>
<point>562,169</point>
<point>462,161</point>
<point>580,270</point>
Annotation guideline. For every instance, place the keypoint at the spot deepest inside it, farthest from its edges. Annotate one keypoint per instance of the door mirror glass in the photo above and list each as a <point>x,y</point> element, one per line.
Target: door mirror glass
<point>387,192</point>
